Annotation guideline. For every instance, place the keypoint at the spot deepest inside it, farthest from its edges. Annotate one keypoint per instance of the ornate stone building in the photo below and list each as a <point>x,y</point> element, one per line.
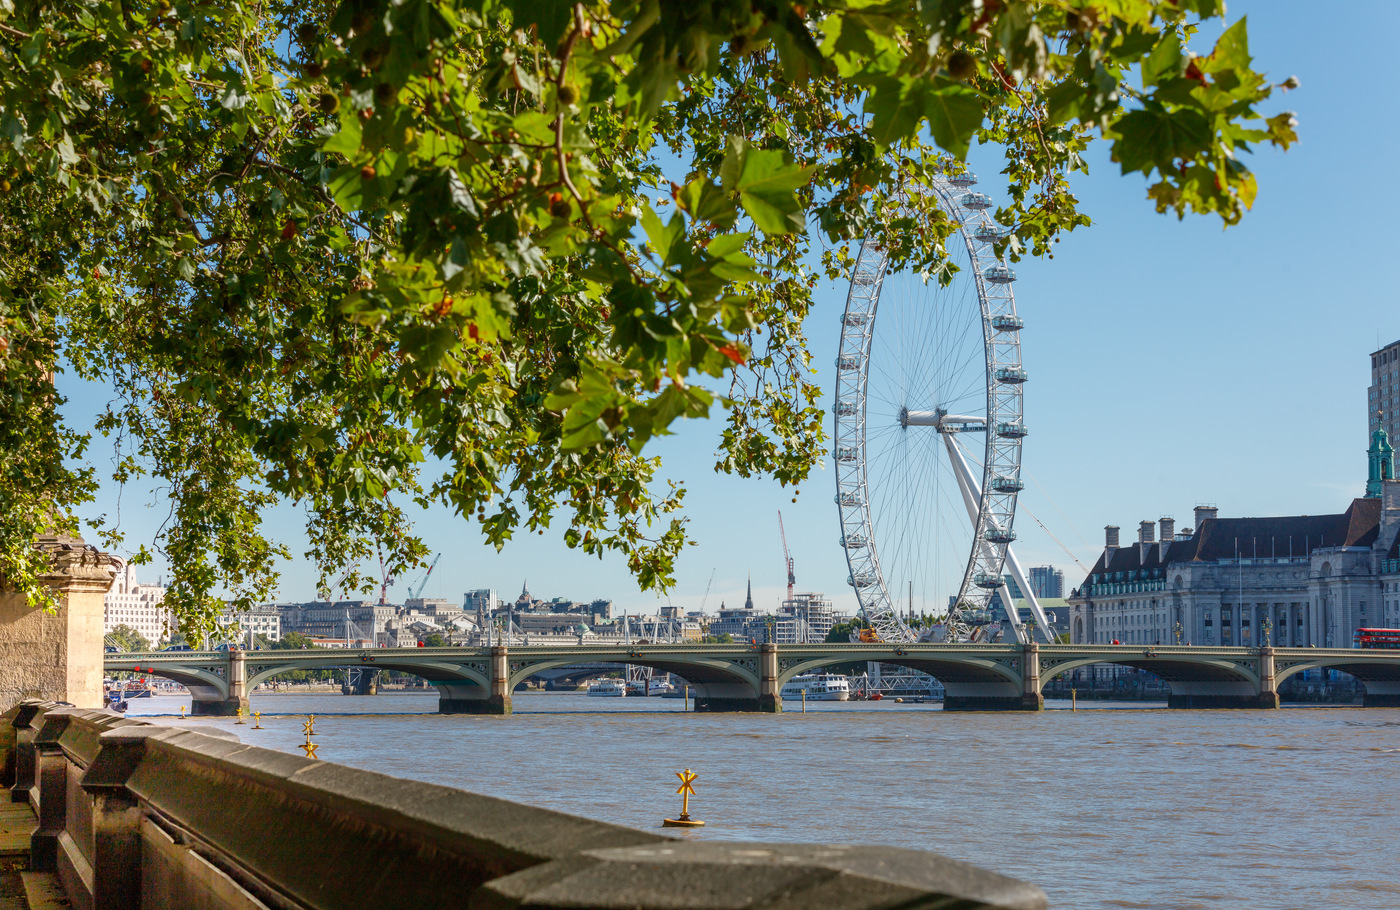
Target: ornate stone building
<point>1307,580</point>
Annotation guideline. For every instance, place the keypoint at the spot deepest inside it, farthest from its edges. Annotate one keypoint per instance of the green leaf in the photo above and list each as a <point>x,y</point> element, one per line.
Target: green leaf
<point>766,182</point>
<point>1155,138</point>
<point>954,116</point>
<point>895,105</point>
<point>1231,51</point>
<point>347,141</point>
<point>1165,62</point>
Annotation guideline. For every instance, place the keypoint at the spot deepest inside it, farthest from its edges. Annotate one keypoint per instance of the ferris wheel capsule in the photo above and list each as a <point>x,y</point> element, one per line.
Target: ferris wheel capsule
<point>855,318</point>
<point>1011,430</point>
<point>997,535</point>
<point>1004,323</point>
<point>1010,374</point>
<point>965,179</point>
<point>977,201</point>
<point>999,274</point>
<point>848,362</point>
<point>854,542</point>
<point>987,580</point>
<point>1008,484</point>
<point>987,233</point>
<point>845,453</point>
<point>845,408</point>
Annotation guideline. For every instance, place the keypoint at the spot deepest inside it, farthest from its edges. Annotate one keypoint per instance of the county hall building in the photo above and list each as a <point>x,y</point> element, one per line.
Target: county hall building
<point>1298,581</point>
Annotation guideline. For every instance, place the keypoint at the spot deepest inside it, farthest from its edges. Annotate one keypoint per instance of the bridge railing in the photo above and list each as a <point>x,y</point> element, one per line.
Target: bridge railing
<point>135,815</point>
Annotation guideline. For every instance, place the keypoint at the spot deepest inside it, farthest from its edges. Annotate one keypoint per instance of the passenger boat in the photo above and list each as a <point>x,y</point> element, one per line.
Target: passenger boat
<point>659,686</point>
<point>819,687</point>
<point>608,688</point>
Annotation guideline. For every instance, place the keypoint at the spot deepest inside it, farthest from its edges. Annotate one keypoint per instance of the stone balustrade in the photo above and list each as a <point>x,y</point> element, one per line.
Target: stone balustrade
<point>136,815</point>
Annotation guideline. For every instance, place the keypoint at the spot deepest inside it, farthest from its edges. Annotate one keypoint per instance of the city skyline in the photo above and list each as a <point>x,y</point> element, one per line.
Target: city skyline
<point>1141,400</point>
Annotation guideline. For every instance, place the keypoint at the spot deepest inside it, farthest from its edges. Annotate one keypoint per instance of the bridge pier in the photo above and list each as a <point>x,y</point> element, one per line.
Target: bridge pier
<point>466,699</point>
<point>718,697</point>
<point>1000,695</point>
<point>1381,694</point>
<point>236,670</point>
<point>368,683</point>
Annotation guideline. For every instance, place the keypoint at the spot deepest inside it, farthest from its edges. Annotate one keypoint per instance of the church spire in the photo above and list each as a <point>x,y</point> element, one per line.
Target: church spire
<point>1380,460</point>
<point>748,602</point>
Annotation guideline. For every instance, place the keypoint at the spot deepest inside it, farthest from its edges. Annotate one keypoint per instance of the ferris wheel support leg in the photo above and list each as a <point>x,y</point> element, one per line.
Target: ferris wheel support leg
<point>972,495</point>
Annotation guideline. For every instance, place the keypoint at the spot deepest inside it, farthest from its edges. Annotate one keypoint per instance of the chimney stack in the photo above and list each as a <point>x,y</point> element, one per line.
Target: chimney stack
<point>1110,537</point>
<point>1168,527</point>
<point>1204,512</point>
<point>1146,532</point>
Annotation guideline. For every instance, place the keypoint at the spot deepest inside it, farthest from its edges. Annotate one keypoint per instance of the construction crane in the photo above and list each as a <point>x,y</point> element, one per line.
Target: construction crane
<point>787,557</point>
<point>424,582</point>
<point>711,584</point>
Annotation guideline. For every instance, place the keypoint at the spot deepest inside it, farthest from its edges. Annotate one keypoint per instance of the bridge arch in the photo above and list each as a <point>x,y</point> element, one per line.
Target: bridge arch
<point>204,685</point>
<point>1379,675</point>
<point>971,681</point>
<point>717,683</point>
<point>1194,680</point>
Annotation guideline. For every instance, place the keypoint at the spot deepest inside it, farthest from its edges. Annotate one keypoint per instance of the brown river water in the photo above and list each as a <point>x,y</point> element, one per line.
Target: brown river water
<point>1109,806</point>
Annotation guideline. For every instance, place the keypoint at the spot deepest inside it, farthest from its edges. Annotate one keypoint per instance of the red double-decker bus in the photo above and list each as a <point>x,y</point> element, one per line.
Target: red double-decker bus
<point>1376,638</point>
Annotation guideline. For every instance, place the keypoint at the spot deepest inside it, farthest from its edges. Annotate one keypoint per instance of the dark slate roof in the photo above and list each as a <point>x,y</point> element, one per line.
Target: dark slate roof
<point>1216,539</point>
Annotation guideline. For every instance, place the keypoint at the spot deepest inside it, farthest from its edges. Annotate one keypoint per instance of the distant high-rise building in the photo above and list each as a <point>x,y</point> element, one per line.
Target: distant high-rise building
<point>134,605</point>
<point>1047,582</point>
<point>1383,404</point>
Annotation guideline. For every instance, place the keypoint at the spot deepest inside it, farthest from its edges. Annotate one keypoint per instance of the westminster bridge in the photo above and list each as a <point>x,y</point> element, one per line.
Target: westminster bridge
<point>729,677</point>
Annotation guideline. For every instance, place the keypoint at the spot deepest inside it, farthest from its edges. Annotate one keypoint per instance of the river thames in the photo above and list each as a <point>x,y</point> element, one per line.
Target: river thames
<point>1106,807</point>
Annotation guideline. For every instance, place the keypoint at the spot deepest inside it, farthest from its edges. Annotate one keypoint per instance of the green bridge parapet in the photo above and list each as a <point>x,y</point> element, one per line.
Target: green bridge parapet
<point>134,815</point>
<point>976,677</point>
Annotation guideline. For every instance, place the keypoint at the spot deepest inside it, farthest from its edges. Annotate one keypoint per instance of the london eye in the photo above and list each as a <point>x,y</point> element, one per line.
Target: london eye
<point>929,423</point>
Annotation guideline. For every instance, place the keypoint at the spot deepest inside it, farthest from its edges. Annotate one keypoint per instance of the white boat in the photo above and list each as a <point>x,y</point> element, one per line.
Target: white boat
<point>819,687</point>
<point>607,688</point>
<point>659,686</point>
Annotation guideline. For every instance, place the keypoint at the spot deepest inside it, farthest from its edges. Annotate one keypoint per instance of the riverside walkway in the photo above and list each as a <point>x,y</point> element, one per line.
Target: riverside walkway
<point>976,677</point>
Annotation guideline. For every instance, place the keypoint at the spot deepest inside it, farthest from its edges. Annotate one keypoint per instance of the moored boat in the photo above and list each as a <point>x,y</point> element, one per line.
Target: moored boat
<point>818,687</point>
<point>607,688</point>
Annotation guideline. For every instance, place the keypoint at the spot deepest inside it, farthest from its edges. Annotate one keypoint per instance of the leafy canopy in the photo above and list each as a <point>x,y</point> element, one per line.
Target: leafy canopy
<point>356,255</point>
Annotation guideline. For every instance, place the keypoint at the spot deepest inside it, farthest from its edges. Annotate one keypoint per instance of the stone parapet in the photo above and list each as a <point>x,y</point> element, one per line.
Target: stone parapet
<point>139,815</point>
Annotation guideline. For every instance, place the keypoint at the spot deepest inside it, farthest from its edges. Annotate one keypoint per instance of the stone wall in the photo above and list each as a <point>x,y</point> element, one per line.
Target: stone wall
<point>57,656</point>
<point>135,816</point>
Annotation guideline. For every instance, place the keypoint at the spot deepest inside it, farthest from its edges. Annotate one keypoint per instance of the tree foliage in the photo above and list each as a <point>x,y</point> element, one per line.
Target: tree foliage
<point>128,639</point>
<point>481,252</point>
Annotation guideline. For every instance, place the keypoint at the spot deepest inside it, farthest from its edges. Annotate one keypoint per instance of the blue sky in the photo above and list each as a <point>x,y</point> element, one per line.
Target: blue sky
<point>1171,362</point>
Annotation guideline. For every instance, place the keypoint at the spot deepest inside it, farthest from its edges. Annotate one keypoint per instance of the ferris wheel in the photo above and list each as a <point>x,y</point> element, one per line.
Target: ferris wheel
<point>929,424</point>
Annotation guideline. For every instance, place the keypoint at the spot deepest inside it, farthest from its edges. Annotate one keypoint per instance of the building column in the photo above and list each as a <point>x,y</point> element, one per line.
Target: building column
<point>57,656</point>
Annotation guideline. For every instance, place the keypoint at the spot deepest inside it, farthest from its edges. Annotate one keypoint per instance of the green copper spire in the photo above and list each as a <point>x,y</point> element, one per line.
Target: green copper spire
<point>1381,458</point>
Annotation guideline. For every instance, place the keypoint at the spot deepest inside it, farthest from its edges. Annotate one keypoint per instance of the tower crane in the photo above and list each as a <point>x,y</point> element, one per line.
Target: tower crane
<point>711,584</point>
<point>787,557</point>
<point>423,583</point>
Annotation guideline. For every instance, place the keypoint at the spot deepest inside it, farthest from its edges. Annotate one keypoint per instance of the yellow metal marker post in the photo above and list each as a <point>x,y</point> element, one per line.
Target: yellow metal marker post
<point>240,717</point>
<point>257,720</point>
<point>308,728</point>
<point>686,791</point>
